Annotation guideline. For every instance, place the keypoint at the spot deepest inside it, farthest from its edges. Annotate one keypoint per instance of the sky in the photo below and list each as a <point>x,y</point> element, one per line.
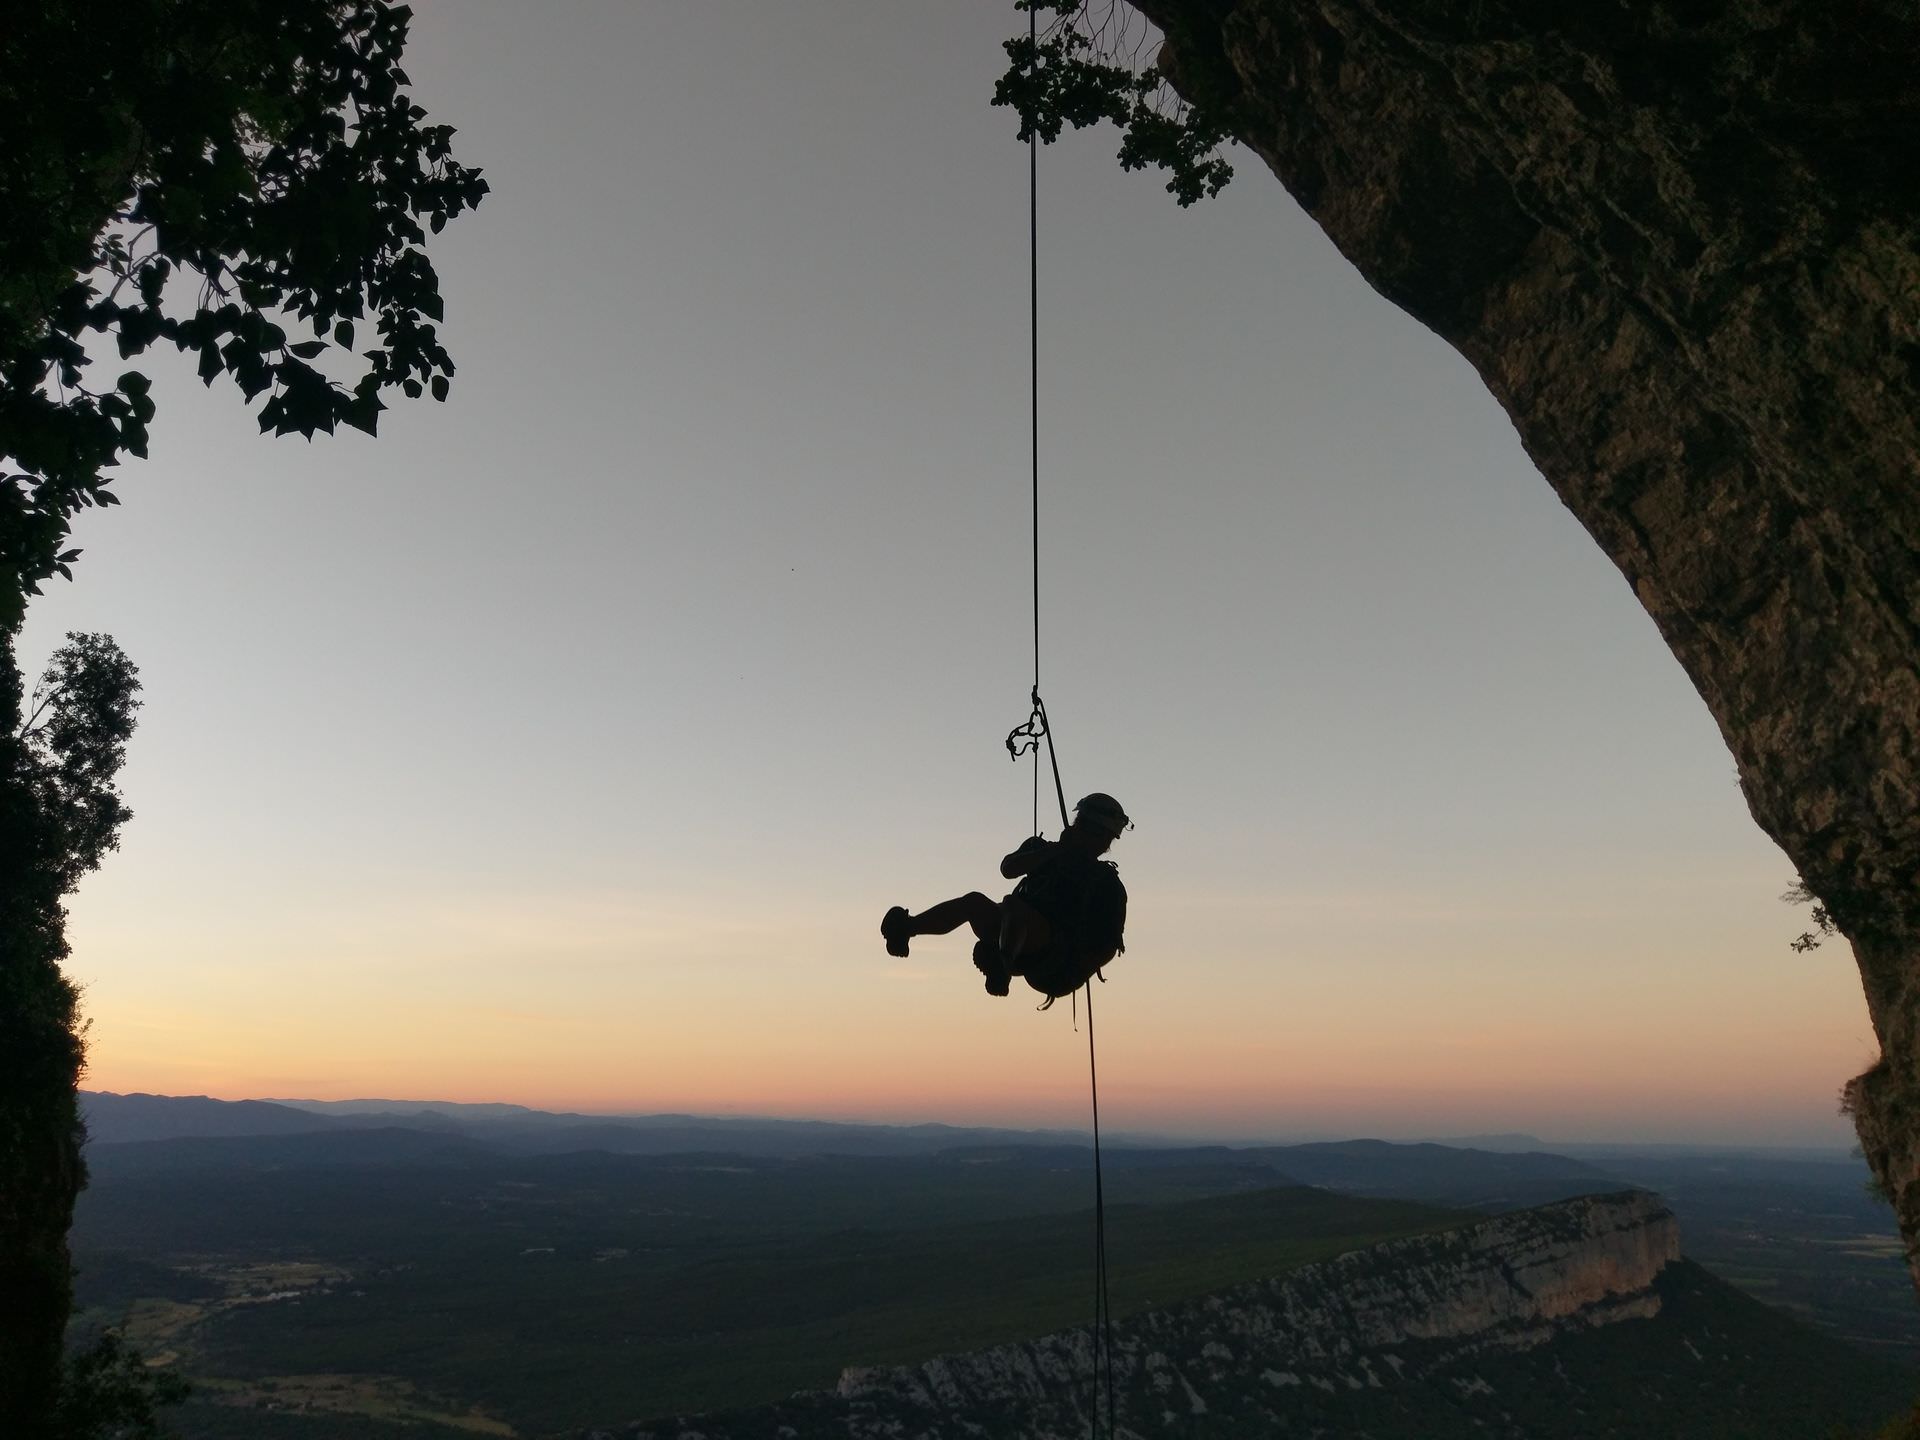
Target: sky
<point>565,744</point>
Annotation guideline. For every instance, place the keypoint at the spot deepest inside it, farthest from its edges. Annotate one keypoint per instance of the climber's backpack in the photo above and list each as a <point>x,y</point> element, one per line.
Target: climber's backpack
<point>1086,904</point>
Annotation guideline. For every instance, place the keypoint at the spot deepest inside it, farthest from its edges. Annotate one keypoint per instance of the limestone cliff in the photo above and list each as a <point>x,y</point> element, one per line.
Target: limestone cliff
<point>1280,1353</point>
<point>1680,241</point>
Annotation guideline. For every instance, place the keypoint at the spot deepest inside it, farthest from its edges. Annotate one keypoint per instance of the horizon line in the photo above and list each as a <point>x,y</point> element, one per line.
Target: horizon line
<point>1132,1138</point>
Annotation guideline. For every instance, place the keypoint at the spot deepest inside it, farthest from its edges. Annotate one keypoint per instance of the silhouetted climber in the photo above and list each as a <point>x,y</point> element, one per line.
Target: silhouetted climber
<point>1065,919</point>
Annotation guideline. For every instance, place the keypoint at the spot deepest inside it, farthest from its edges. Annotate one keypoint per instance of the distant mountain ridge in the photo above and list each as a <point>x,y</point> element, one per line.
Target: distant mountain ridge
<point>453,1109</point>
<point>118,1119</point>
<point>1479,1178</point>
<point>461,1110</point>
<point>115,1119</point>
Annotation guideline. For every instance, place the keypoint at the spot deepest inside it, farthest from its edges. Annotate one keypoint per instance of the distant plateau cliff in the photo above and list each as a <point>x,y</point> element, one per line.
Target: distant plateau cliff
<point>1578,1318</point>
<point>1365,1343</point>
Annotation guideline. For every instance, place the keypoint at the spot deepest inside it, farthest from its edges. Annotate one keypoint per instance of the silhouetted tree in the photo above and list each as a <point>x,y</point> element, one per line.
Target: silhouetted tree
<point>1086,64</point>
<point>60,812</point>
<point>247,181</point>
<point>111,1394</point>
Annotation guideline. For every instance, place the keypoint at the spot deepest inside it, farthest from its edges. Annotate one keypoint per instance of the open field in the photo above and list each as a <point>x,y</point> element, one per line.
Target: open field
<point>386,1280</point>
<point>1807,1238</point>
<point>495,1302</point>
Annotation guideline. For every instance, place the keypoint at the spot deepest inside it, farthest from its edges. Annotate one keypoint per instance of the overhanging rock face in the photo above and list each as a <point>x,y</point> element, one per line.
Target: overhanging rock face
<point>1680,242</point>
<point>1251,1359</point>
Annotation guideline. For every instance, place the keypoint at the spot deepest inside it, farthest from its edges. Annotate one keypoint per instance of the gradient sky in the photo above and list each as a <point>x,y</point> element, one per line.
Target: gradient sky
<point>564,745</point>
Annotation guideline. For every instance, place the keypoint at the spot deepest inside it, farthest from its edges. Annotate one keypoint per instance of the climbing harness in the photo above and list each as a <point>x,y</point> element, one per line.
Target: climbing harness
<point>1027,738</point>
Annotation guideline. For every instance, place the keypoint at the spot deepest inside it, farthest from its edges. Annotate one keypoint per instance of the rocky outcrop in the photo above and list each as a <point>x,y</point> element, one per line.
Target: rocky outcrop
<point>1681,245</point>
<point>1257,1358</point>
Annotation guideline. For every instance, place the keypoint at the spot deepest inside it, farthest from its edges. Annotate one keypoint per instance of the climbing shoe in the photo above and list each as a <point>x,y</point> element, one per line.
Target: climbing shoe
<point>893,929</point>
<point>988,960</point>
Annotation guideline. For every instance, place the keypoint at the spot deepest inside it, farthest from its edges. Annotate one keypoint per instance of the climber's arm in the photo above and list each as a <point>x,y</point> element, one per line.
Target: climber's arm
<point>1024,859</point>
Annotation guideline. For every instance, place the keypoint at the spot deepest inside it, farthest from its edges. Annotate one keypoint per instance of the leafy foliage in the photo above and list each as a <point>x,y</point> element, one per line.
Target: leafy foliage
<point>1083,68</point>
<point>63,814</point>
<point>60,812</point>
<point>265,155</point>
<point>78,722</point>
<point>247,181</point>
<point>1823,926</point>
<point>111,1394</point>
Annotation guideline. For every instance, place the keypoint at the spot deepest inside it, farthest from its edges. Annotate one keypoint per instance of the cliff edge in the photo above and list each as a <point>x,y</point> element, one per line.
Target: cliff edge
<point>1264,1357</point>
<point>1681,245</point>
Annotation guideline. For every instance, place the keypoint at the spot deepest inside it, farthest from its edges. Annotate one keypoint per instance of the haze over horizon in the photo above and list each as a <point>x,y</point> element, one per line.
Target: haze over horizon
<point>1176,1134</point>
<point>565,744</point>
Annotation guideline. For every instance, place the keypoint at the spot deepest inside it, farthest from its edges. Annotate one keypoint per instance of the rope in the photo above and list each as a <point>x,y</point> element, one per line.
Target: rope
<point>1033,327</point>
<point>1053,756</point>
<point>1102,1305</point>
<point>1037,729</point>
